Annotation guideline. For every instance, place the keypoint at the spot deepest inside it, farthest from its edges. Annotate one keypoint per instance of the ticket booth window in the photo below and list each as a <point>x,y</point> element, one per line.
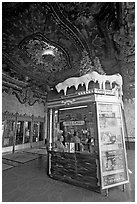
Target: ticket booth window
<point>74,130</point>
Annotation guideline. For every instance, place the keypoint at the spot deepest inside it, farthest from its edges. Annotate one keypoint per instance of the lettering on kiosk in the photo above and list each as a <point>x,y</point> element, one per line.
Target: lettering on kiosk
<point>68,123</point>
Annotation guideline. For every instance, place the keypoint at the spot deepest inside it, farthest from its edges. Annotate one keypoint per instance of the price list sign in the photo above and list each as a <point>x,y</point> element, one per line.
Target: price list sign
<point>113,161</point>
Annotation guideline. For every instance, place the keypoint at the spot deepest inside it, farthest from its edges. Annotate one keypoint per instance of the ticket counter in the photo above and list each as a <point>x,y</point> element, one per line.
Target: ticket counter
<point>86,138</point>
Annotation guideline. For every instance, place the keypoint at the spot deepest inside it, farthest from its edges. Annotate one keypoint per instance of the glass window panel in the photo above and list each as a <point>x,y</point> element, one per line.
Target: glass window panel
<point>36,132</point>
<point>41,131</point>
<point>27,126</point>
<point>8,132</point>
<point>73,130</point>
<point>19,133</point>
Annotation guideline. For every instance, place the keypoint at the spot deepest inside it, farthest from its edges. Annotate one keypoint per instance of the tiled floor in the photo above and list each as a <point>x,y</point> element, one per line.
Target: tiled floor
<point>40,151</point>
<point>20,157</point>
<point>6,166</point>
<point>30,183</point>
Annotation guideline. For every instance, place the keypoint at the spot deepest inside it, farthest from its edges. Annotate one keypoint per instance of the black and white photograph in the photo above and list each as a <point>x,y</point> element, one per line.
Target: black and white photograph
<point>68,101</point>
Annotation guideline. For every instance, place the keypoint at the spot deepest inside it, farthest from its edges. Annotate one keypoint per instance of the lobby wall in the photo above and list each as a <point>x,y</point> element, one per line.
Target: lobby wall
<point>11,104</point>
<point>129,107</point>
<point>25,112</point>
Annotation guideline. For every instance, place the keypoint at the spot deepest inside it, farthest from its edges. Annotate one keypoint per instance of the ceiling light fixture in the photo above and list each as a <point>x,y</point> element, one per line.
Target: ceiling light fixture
<point>48,52</point>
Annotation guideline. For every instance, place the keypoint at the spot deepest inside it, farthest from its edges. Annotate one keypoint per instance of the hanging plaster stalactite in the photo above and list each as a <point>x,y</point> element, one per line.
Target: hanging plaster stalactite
<point>95,77</point>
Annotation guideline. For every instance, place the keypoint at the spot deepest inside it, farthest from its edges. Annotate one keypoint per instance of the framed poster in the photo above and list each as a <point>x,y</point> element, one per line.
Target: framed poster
<point>113,161</point>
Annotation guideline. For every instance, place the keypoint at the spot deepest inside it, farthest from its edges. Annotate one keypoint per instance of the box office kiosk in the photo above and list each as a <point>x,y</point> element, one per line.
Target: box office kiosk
<point>86,132</point>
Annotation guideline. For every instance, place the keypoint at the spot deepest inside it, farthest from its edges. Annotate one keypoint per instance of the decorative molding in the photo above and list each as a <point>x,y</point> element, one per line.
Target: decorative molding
<point>26,96</point>
<point>68,102</point>
<point>12,116</point>
<point>69,27</point>
<point>87,66</point>
<point>43,52</point>
<point>103,30</point>
<point>24,93</point>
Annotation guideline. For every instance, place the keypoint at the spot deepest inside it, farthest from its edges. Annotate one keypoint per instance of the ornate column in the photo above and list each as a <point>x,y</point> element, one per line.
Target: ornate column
<point>45,125</point>
<point>31,133</point>
<point>55,125</point>
<point>50,129</point>
<point>24,122</point>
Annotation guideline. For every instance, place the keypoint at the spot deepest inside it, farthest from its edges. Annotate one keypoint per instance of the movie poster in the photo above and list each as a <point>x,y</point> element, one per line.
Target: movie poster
<point>112,149</point>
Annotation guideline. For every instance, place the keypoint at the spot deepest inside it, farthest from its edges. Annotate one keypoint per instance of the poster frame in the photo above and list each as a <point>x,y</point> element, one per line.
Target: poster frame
<point>99,143</point>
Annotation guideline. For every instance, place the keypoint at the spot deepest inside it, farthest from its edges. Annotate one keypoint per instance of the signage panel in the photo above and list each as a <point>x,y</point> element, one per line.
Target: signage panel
<point>113,161</point>
<point>72,123</point>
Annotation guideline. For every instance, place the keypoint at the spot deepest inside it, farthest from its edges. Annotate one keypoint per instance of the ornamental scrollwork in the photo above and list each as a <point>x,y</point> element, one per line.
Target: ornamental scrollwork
<point>26,96</point>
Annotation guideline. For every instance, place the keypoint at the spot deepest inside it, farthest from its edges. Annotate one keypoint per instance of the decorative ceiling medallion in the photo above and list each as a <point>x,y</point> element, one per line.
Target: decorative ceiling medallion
<point>43,53</point>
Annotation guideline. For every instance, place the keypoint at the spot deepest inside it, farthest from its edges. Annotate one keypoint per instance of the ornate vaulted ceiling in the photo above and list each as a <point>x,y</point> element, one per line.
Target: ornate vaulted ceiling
<point>45,43</point>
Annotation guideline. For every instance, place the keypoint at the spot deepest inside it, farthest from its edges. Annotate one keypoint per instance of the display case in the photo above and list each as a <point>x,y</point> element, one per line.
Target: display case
<point>86,136</point>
